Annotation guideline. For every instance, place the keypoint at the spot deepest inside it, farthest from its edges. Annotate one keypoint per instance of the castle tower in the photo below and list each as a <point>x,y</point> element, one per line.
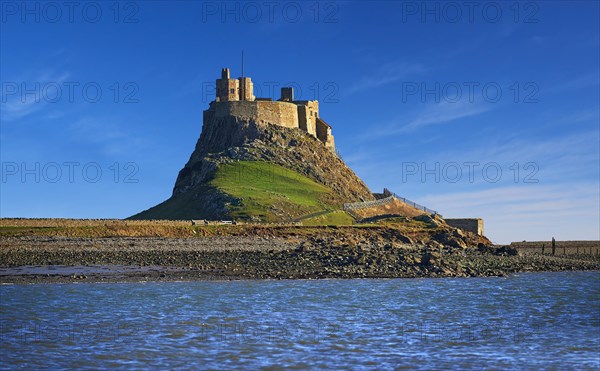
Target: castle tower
<point>246,89</point>
<point>228,89</point>
<point>287,94</point>
<point>308,113</point>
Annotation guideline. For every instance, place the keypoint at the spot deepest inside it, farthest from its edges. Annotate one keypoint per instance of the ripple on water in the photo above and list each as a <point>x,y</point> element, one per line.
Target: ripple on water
<point>541,320</point>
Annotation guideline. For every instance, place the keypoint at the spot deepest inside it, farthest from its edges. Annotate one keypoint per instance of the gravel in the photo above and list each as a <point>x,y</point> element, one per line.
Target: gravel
<point>22,259</point>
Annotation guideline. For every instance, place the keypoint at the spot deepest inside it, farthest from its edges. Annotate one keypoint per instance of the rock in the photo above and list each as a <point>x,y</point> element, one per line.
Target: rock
<point>458,233</point>
<point>448,239</point>
<point>434,244</point>
<point>431,221</point>
<point>459,243</point>
<point>438,219</point>
<point>405,239</point>
<point>506,251</point>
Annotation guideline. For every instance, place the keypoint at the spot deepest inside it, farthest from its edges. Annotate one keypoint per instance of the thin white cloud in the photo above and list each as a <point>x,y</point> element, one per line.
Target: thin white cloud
<point>528,212</point>
<point>433,114</point>
<point>386,74</point>
<point>579,82</point>
<point>560,157</point>
<point>96,130</point>
<point>582,115</point>
<point>106,135</point>
<point>19,105</point>
<point>444,112</point>
<point>15,109</point>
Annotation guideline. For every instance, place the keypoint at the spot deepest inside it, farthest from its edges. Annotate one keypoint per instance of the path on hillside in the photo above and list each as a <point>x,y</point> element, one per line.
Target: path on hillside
<point>313,215</point>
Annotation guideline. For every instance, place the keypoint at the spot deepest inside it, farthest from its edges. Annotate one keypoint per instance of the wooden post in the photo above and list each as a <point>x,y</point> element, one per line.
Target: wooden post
<point>543,247</point>
<point>553,246</point>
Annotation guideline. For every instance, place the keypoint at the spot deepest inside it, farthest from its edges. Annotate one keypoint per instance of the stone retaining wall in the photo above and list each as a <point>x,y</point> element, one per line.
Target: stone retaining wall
<point>364,205</point>
<point>474,225</point>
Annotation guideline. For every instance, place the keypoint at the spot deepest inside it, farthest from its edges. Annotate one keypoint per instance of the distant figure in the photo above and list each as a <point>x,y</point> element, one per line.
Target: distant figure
<point>553,246</point>
<point>193,222</point>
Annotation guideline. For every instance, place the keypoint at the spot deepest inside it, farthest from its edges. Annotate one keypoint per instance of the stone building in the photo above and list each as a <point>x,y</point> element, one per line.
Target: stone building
<point>235,97</point>
<point>228,89</point>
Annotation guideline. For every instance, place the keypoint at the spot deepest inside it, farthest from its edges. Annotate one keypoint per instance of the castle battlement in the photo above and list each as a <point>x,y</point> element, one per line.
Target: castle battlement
<point>235,97</point>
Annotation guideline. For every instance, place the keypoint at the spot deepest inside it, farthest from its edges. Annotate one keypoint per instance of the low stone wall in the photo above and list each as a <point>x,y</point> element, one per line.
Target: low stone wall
<point>474,225</point>
<point>364,205</point>
<point>588,248</point>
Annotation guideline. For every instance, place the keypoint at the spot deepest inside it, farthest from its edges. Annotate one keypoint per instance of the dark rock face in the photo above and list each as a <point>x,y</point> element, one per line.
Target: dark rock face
<point>500,251</point>
<point>453,239</point>
<point>228,139</point>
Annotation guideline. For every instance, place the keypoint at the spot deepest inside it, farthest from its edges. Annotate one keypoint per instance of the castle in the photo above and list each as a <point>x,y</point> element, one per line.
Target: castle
<point>235,97</point>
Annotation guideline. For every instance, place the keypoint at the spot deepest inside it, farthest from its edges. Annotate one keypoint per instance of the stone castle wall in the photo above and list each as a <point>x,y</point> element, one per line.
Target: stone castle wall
<point>330,143</point>
<point>324,134</point>
<point>322,131</point>
<point>279,113</point>
<point>308,111</point>
<point>235,97</point>
<point>306,123</point>
<point>474,225</point>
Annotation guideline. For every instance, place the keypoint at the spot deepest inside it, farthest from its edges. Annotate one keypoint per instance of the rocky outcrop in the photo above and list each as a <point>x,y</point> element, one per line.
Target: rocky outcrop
<point>232,138</point>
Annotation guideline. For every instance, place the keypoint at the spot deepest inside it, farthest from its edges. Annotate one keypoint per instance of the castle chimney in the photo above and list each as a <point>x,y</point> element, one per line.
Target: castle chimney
<point>287,94</point>
<point>225,73</point>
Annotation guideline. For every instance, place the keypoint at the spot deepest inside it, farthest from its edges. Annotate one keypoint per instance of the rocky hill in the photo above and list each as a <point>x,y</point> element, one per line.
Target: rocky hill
<point>231,139</point>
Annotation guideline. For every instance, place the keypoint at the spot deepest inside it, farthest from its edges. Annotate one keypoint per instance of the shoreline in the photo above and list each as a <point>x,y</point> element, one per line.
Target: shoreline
<point>43,259</point>
<point>187,276</point>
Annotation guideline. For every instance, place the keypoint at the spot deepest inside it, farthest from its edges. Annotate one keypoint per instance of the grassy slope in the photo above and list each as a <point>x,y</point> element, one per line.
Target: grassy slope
<point>181,207</point>
<point>336,217</point>
<point>264,192</point>
<point>270,192</point>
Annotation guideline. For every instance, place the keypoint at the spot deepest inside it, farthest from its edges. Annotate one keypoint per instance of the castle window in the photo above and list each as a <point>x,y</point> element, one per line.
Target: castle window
<point>232,91</point>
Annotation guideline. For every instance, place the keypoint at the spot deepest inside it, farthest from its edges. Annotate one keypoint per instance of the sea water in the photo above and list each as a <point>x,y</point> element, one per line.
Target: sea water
<point>524,321</point>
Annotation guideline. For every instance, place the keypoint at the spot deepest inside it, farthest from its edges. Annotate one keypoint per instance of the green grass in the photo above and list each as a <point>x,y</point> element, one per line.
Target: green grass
<point>269,191</point>
<point>20,230</point>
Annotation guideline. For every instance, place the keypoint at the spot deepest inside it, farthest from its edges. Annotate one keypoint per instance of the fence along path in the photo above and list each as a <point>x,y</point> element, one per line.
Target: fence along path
<point>363,205</point>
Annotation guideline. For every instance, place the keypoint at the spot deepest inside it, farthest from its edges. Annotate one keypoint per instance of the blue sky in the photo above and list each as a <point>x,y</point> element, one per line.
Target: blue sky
<point>489,110</point>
